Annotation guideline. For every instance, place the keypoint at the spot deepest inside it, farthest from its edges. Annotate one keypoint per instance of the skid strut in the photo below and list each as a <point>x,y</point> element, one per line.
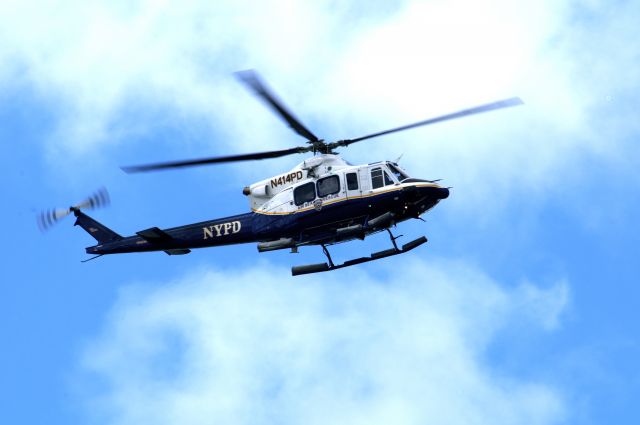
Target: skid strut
<point>326,252</point>
<point>325,267</point>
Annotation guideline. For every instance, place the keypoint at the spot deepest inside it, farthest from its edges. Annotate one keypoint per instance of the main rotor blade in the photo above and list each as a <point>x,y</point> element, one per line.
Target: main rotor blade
<point>215,160</point>
<point>253,81</point>
<point>514,101</point>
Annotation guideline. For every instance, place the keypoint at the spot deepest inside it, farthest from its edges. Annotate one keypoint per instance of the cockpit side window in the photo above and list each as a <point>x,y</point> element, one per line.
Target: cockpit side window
<point>396,172</point>
<point>376,178</point>
<point>304,193</point>
<point>387,179</point>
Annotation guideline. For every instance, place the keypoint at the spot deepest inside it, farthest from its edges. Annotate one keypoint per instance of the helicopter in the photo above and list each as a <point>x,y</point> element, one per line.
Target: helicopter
<point>322,201</point>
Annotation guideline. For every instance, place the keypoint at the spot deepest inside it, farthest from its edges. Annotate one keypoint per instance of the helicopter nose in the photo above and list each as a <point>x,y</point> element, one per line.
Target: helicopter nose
<point>442,193</point>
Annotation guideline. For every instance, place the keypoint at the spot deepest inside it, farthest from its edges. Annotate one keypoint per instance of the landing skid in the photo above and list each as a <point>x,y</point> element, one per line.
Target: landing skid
<point>325,267</point>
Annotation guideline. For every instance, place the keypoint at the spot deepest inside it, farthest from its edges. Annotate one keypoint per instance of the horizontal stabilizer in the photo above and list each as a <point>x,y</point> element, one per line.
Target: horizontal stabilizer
<point>154,235</point>
<point>177,251</point>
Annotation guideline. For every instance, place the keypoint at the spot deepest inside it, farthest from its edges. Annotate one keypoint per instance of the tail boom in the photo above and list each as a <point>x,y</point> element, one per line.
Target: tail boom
<point>174,241</point>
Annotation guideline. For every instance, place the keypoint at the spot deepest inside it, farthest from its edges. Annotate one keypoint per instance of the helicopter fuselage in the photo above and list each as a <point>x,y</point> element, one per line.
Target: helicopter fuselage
<point>322,201</point>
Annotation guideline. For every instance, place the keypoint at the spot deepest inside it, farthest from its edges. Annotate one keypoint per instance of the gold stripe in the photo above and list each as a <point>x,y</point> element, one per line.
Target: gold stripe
<point>333,201</point>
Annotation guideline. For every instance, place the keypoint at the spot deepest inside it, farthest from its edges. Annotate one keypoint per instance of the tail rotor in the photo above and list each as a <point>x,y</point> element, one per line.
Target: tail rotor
<point>46,219</point>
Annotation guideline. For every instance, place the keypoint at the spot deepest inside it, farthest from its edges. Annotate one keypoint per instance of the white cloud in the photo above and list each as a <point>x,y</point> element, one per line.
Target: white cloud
<point>255,347</point>
<point>116,70</point>
<point>124,72</point>
<point>545,304</point>
<point>101,62</point>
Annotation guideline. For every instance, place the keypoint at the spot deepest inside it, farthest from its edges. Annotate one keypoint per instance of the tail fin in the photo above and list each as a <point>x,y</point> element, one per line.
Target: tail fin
<point>100,232</point>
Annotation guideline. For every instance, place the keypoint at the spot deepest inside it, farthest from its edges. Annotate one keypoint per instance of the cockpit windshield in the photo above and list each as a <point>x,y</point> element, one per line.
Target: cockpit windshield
<point>400,175</point>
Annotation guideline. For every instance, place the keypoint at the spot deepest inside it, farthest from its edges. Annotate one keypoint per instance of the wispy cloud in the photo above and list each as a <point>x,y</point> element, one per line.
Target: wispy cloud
<point>117,70</point>
<point>253,347</point>
<point>345,70</point>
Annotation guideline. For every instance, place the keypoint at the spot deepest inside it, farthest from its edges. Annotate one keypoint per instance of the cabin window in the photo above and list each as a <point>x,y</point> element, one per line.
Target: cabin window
<point>352,181</point>
<point>304,193</point>
<point>328,186</point>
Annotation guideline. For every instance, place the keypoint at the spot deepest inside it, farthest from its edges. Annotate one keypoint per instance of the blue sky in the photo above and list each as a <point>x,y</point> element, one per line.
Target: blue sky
<point>521,308</point>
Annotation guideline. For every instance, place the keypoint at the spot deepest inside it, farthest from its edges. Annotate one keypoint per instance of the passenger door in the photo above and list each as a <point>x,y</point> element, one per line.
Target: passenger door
<point>352,184</point>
